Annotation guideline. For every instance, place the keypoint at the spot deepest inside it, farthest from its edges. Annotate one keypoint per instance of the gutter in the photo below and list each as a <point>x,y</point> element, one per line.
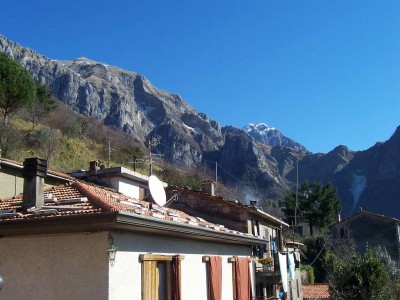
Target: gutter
<point>58,224</point>
<point>162,227</point>
<point>123,221</point>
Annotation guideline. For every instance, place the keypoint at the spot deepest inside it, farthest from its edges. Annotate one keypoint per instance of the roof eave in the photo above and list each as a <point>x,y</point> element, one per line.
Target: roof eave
<point>134,222</point>
<point>58,224</point>
<point>268,217</point>
<point>123,221</point>
<point>21,167</point>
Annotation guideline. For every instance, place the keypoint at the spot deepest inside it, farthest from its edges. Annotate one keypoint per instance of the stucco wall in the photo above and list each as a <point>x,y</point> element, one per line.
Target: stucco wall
<point>125,187</point>
<point>125,273</point>
<point>55,267</point>
<point>12,182</point>
<point>374,232</point>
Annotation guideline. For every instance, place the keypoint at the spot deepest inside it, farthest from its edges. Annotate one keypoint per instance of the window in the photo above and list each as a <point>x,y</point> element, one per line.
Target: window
<point>161,277</point>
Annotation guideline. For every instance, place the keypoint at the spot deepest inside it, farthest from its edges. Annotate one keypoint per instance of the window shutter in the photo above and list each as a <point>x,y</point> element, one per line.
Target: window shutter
<point>149,280</point>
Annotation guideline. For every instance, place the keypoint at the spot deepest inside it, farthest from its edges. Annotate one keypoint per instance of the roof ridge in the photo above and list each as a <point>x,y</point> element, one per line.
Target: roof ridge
<point>371,214</point>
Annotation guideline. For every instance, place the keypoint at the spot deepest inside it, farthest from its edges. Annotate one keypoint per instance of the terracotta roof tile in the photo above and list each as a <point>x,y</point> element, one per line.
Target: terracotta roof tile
<point>316,291</point>
<point>85,198</point>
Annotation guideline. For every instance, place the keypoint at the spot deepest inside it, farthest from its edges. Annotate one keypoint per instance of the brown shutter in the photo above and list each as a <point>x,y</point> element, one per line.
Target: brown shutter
<point>176,278</point>
<point>149,280</point>
<point>215,277</point>
<point>242,277</point>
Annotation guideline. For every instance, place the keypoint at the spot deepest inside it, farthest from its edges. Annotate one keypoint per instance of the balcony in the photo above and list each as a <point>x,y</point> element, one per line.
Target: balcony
<point>268,266</point>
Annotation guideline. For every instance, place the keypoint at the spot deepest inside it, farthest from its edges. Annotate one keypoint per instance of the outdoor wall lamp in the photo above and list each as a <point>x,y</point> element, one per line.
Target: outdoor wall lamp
<point>112,250</point>
<point>1,282</point>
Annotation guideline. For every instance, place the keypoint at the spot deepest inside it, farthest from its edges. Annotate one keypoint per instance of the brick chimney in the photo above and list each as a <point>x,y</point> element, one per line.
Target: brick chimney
<point>34,173</point>
<point>208,187</point>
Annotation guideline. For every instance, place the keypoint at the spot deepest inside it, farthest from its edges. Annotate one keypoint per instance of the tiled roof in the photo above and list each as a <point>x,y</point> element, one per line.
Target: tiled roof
<point>85,198</point>
<point>315,291</point>
<point>220,201</point>
<point>367,213</point>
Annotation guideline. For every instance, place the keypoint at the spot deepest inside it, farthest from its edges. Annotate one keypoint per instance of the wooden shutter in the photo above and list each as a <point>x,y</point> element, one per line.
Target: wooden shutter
<point>149,280</point>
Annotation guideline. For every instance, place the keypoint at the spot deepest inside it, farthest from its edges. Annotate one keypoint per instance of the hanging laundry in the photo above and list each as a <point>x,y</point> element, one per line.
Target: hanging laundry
<point>283,269</point>
<point>297,256</point>
<point>291,266</point>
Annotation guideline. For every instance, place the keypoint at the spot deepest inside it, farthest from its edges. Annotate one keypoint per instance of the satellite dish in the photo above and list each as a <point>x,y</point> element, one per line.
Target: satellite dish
<point>157,190</point>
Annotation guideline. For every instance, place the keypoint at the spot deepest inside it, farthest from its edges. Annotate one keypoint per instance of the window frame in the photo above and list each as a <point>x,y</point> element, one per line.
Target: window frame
<point>149,268</point>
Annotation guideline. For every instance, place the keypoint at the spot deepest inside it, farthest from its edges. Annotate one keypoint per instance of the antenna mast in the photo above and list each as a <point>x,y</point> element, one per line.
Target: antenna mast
<point>152,143</point>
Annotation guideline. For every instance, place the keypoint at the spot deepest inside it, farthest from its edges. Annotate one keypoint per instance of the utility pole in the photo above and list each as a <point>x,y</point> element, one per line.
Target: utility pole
<point>109,152</point>
<point>216,173</point>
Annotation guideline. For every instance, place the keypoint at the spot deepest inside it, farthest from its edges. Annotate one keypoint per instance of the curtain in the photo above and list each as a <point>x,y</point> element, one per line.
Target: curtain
<point>242,278</point>
<point>176,278</point>
<point>215,277</point>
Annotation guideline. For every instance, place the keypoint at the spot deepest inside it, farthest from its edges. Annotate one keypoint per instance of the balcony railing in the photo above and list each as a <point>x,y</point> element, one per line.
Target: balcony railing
<point>269,264</point>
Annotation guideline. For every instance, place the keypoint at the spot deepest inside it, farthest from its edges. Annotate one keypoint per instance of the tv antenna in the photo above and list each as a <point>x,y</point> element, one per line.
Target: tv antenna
<point>153,143</point>
<point>109,149</point>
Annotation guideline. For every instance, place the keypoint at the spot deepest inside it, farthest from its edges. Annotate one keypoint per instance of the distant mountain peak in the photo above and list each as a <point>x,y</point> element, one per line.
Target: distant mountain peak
<point>270,136</point>
<point>261,127</point>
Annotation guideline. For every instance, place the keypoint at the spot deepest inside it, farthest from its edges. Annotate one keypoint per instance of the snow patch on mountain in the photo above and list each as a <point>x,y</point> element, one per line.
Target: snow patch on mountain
<point>357,187</point>
<point>271,136</point>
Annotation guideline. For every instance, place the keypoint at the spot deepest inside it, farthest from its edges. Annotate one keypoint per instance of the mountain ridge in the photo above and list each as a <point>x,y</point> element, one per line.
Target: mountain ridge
<point>128,101</point>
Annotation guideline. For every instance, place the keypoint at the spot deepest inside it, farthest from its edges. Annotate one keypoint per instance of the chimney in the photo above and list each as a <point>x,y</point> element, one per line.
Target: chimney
<point>94,165</point>
<point>34,173</point>
<point>208,187</point>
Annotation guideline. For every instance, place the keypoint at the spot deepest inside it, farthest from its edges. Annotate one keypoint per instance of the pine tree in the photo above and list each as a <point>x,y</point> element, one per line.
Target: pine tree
<point>17,88</point>
<point>316,204</point>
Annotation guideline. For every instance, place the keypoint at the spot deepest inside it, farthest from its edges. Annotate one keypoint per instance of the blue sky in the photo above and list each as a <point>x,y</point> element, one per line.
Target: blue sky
<point>325,73</point>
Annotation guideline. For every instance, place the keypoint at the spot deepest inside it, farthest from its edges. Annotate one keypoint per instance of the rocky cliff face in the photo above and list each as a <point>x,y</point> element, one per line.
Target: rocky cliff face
<point>125,100</point>
<point>128,101</point>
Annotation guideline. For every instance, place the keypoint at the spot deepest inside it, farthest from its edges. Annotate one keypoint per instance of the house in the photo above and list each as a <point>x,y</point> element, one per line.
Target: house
<point>367,228</point>
<point>316,291</point>
<point>232,215</point>
<point>12,180</point>
<point>270,250</point>
<point>79,240</point>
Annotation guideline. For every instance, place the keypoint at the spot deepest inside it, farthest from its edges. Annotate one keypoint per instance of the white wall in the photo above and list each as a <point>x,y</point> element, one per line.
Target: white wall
<point>125,187</point>
<point>73,266</point>
<point>125,274</point>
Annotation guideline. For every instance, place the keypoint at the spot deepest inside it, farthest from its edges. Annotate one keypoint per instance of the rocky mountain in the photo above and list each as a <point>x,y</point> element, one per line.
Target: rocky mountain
<point>271,136</point>
<point>260,159</point>
<point>125,100</point>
